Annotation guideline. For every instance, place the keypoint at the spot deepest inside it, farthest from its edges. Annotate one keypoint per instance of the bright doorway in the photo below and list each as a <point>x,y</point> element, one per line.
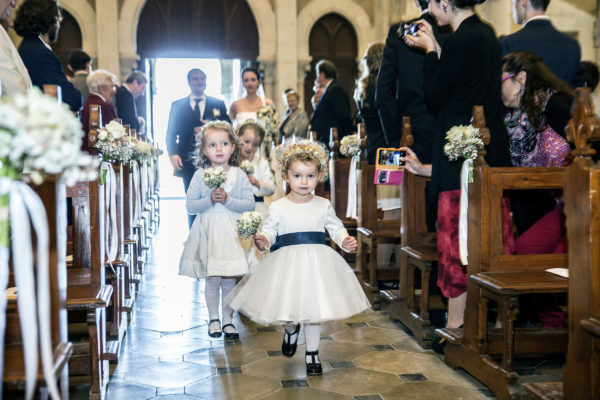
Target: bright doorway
<point>170,84</point>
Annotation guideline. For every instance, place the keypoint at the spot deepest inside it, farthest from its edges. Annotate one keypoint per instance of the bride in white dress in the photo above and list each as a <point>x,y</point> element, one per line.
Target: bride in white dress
<point>247,106</point>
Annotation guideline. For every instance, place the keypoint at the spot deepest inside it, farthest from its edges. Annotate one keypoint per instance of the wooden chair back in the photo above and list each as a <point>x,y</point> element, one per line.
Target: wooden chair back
<point>414,204</point>
<point>582,210</point>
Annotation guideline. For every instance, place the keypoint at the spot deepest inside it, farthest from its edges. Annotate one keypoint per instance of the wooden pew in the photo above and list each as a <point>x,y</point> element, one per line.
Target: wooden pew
<point>582,210</point>
<point>370,231</point>
<point>87,291</point>
<point>52,194</point>
<point>496,276</point>
<point>419,253</point>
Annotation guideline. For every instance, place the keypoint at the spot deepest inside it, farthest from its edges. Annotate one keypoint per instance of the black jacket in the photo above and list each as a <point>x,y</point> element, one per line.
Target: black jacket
<point>126,109</point>
<point>559,52</point>
<point>333,110</point>
<point>180,131</point>
<point>400,90</point>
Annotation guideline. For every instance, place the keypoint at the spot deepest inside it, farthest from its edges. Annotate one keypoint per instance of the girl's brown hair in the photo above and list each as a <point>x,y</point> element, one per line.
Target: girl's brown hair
<point>251,124</point>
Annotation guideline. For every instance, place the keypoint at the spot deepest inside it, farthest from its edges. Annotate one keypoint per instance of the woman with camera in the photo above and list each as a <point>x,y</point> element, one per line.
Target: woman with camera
<point>464,73</point>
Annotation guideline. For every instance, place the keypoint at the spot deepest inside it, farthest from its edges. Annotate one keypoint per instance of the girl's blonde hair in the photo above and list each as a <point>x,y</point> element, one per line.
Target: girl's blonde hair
<point>305,151</point>
<point>200,159</point>
<point>251,124</point>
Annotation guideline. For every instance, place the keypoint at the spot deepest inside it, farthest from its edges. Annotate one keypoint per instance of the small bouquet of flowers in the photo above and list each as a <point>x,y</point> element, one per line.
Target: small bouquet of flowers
<point>270,120</point>
<point>247,225</point>
<point>114,144</point>
<point>463,142</point>
<point>214,177</point>
<point>350,145</point>
<point>247,167</point>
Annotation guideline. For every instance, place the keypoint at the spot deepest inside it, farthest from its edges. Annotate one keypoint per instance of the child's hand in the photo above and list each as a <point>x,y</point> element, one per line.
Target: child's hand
<point>219,195</point>
<point>261,242</point>
<point>349,243</point>
<point>254,181</point>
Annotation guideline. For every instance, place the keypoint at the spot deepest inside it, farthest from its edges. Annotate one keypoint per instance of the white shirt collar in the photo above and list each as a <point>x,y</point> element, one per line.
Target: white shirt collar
<point>45,44</point>
<point>81,73</point>
<point>538,17</point>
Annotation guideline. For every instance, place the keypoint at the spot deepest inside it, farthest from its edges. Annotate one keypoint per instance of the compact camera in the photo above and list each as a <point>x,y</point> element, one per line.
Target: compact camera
<point>411,29</point>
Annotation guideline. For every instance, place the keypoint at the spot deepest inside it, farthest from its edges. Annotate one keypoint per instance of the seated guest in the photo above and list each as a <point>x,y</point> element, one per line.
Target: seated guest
<point>295,120</point>
<point>101,85</point>
<point>134,87</point>
<point>13,74</point>
<point>38,22</point>
<point>80,65</point>
<point>539,107</point>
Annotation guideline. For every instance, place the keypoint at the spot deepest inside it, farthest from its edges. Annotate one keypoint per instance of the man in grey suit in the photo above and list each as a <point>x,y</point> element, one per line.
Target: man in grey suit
<point>80,65</point>
<point>559,52</point>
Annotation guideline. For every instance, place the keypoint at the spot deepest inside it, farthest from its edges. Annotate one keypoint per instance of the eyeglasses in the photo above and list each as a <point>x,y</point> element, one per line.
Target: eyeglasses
<point>507,77</point>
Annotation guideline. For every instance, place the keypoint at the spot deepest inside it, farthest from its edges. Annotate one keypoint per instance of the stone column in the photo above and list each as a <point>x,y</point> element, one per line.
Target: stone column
<point>303,69</point>
<point>286,57</point>
<point>268,68</point>
<point>382,19</point>
<point>107,18</point>
<point>499,15</point>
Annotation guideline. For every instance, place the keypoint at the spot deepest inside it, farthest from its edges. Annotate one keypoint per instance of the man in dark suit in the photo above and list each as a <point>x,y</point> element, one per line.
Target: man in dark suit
<point>400,87</point>
<point>134,87</point>
<point>333,109</point>
<point>38,22</point>
<point>185,119</point>
<point>559,52</point>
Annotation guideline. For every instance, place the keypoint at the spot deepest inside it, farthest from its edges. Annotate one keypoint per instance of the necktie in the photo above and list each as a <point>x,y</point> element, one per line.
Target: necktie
<point>197,107</point>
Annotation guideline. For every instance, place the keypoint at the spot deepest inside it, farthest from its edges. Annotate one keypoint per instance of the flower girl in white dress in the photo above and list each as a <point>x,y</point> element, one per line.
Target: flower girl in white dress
<point>251,135</point>
<point>213,249</point>
<point>302,280</point>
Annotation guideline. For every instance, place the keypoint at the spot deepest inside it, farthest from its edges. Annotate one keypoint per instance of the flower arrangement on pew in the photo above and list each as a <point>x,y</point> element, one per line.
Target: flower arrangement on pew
<point>350,145</point>
<point>463,142</point>
<point>269,120</point>
<point>39,139</point>
<point>114,144</point>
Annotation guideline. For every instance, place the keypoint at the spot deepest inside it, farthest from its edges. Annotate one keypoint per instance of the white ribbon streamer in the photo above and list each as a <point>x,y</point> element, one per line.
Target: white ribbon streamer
<point>25,206</point>
<point>463,221</point>
<point>352,208</point>
<point>110,197</point>
<point>137,208</point>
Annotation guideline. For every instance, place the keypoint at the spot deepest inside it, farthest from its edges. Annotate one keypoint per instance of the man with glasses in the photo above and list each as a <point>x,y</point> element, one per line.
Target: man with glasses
<point>38,22</point>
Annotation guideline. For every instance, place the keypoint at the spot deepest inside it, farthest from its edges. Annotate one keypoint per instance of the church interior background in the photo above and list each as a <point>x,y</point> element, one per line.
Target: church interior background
<point>286,38</point>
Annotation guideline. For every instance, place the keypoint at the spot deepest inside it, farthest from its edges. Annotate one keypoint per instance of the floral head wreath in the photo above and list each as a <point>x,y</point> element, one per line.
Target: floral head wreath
<point>305,150</point>
<point>253,123</point>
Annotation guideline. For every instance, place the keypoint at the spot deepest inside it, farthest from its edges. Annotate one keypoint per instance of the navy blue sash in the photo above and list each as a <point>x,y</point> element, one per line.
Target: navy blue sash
<point>259,199</point>
<point>290,239</point>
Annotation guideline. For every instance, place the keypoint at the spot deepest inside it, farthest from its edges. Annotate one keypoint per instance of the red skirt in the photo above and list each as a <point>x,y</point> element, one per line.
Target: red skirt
<point>452,275</point>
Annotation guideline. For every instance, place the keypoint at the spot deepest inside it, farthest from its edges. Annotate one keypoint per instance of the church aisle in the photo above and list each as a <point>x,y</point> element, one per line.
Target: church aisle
<point>167,352</point>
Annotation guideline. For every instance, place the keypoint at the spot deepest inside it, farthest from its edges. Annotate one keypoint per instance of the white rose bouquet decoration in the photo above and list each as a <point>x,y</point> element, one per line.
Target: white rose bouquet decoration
<point>247,225</point>
<point>142,151</point>
<point>350,145</point>
<point>463,142</point>
<point>114,144</point>
<point>39,137</point>
<point>214,177</point>
<point>247,167</point>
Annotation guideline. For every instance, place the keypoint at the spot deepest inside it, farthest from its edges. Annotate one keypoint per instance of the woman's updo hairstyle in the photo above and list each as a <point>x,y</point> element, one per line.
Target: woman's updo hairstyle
<point>252,69</point>
<point>461,4</point>
<point>539,77</point>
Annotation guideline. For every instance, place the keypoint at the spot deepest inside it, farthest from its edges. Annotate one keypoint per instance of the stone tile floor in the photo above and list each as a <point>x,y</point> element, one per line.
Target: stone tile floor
<point>167,353</point>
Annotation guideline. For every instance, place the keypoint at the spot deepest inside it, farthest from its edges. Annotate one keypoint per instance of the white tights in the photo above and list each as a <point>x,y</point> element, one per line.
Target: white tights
<point>211,292</point>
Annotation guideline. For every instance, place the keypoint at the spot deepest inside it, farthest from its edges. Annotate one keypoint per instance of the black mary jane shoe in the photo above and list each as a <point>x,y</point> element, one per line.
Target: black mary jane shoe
<point>215,333</point>
<point>287,347</point>
<point>230,335</point>
<point>314,366</point>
